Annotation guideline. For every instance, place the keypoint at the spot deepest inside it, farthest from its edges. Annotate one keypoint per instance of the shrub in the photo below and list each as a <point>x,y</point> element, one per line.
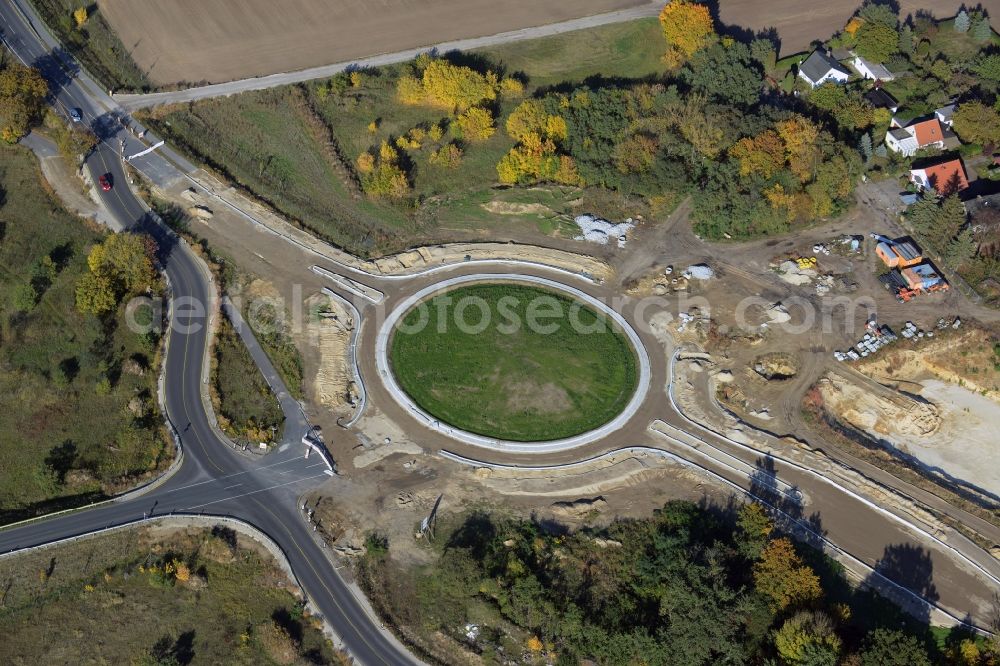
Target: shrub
<point>476,124</point>
<point>448,156</point>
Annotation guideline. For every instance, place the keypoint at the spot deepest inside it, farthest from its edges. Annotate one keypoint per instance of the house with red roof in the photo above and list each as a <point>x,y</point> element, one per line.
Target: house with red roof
<point>945,177</point>
<point>919,134</point>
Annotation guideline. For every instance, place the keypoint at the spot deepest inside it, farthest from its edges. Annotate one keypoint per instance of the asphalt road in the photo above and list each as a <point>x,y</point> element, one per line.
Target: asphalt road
<point>216,480</point>
<point>213,478</point>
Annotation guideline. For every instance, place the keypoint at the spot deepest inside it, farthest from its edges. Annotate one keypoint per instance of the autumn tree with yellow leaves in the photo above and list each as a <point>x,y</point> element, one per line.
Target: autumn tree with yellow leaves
<point>475,124</point>
<point>535,158</point>
<point>448,156</point>
<point>447,86</point>
<point>688,27</point>
<point>122,265</point>
<point>763,154</point>
<point>781,576</point>
<point>22,97</point>
<point>381,175</point>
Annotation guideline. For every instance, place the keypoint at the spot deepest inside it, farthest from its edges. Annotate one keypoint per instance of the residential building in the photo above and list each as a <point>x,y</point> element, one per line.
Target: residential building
<point>821,67</point>
<point>919,134</point>
<point>880,99</point>
<point>945,177</point>
<point>945,113</point>
<point>871,70</point>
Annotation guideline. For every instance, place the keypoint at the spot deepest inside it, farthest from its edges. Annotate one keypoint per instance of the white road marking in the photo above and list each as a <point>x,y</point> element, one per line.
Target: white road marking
<point>253,492</point>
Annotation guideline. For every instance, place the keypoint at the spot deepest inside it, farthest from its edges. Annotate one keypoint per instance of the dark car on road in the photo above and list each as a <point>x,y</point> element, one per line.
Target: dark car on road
<point>76,115</point>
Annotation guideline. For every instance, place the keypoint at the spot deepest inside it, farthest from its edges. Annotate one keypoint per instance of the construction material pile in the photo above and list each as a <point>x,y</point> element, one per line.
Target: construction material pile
<point>598,230</point>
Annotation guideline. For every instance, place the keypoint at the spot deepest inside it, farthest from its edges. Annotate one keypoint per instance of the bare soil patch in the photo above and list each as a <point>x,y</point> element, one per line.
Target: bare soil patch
<point>184,41</point>
<point>546,398</point>
<point>892,417</point>
<point>965,357</point>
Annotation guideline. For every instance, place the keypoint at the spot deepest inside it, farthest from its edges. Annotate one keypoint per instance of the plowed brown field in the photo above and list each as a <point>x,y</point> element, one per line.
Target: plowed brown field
<point>222,40</point>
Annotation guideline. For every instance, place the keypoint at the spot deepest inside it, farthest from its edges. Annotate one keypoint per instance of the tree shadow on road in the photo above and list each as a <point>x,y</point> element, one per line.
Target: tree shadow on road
<point>909,566</point>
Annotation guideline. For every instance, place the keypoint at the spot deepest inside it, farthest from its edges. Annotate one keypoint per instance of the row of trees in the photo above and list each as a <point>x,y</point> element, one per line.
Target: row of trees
<point>686,587</point>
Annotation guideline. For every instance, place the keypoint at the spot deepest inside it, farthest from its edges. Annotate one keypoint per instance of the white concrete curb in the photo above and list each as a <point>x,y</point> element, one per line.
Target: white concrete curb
<point>553,446</point>
<point>353,351</point>
<point>850,562</point>
<point>805,470</point>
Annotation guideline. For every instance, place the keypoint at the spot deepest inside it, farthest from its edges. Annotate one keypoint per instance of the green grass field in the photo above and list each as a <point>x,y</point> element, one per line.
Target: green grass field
<point>276,144</point>
<point>517,382</point>
<point>77,394</point>
<point>244,399</point>
<point>264,142</point>
<point>630,50</point>
<point>107,600</point>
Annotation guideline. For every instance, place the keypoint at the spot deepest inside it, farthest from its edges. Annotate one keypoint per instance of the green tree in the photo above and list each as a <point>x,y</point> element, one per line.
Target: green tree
<point>877,12</point>
<point>95,294</point>
<point>938,220</point>
<point>988,67</point>
<point>764,52</point>
<point>891,647</point>
<point>962,21</point>
<point>961,249</point>
<point>877,41</point>
<point>981,30</point>
<point>941,70</point>
<point>754,528</point>
<point>976,122</point>
<point>865,146</point>
<point>906,42</point>
<point>725,73</point>
<point>25,297</point>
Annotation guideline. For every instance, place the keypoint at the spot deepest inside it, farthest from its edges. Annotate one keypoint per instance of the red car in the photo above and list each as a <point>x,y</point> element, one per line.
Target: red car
<point>105,182</point>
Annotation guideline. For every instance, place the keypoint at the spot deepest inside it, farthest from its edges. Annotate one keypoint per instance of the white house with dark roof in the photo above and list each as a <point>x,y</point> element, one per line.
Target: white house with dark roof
<point>821,67</point>
<point>871,70</point>
<point>945,113</point>
<point>921,133</point>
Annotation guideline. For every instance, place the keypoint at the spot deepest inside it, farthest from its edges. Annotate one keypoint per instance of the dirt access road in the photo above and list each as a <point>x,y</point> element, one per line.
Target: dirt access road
<point>218,41</point>
<point>799,23</point>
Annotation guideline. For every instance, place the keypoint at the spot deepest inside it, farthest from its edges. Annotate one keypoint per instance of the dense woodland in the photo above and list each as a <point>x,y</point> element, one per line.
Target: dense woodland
<point>691,585</point>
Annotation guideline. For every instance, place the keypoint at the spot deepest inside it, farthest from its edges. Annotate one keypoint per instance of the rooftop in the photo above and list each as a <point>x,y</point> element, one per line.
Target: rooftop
<point>880,99</point>
<point>945,112</point>
<point>927,131</point>
<point>878,70</point>
<point>946,177</point>
<point>819,64</point>
<point>907,250</point>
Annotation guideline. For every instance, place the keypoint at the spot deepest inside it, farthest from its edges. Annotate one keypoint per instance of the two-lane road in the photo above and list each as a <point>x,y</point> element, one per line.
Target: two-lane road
<point>212,479</point>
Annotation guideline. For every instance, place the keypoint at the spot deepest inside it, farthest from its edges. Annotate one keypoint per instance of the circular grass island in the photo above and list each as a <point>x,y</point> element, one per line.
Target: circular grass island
<point>513,362</point>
